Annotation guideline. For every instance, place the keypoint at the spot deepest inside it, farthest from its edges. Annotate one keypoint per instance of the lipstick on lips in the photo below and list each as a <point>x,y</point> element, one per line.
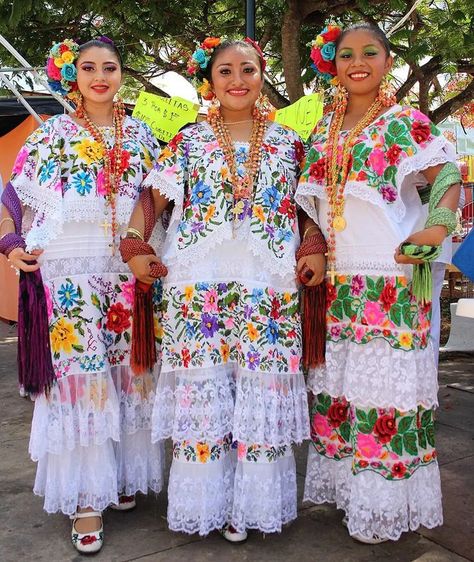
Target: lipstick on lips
<point>100,88</point>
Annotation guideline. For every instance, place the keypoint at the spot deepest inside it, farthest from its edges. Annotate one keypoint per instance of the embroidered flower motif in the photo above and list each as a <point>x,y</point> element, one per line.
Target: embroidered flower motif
<point>82,182</point>
<point>118,318</point>
<point>385,428</point>
<point>368,446</point>
<point>321,426</point>
<point>209,325</point>
<point>373,314</point>
<point>68,295</point>
<point>202,450</point>
<point>63,337</point>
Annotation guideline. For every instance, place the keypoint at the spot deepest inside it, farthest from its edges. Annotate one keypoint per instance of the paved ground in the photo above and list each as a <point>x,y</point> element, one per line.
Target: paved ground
<point>27,533</point>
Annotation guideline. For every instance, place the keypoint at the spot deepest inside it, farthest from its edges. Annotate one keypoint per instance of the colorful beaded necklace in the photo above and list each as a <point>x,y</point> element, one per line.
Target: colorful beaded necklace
<point>114,164</point>
<point>243,187</point>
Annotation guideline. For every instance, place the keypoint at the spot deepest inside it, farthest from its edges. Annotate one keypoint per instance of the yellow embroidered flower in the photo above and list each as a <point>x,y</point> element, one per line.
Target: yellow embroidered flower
<point>68,57</point>
<point>252,331</point>
<point>58,61</point>
<point>63,337</point>
<point>342,279</point>
<point>158,329</point>
<point>258,212</point>
<point>164,154</point>
<point>210,213</point>
<point>402,281</point>
<point>188,292</point>
<point>406,339</point>
<point>89,150</point>
<point>224,172</point>
<point>225,352</point>
<point>409,151</point>
<point>147,159</point>
<point>202,450</point>
<point>287,297</point>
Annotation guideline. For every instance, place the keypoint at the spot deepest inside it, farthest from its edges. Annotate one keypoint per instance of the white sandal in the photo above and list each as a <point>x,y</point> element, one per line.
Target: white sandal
<point>231,535</point>
<point>126,503</point>
<point>87,543</point>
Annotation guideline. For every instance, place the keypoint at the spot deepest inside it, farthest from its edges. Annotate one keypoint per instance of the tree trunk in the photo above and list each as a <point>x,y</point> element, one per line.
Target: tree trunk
<point>290,41</point>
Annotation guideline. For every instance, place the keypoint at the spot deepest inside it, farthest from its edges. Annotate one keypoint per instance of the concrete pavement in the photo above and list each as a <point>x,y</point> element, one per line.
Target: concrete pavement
<point>27,533</point>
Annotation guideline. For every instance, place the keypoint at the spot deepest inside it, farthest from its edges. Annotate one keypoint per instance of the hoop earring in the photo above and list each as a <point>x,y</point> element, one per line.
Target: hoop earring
<point>387,92</point>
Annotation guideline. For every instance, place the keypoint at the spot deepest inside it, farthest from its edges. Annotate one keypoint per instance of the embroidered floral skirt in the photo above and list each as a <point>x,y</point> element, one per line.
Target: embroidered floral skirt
<point>91,435</point>
<point>371,409</point>
<point>232,397</point>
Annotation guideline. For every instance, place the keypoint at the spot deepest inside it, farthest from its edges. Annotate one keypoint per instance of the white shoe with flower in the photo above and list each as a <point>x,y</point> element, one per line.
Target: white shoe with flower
<point>87,543</point>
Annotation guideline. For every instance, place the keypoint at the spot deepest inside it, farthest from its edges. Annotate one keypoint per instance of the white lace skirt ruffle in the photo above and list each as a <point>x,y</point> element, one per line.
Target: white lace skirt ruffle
<point>204,404</point>
<point>373,504</point>
<point>204,497</point>
<point>377,375</point>
<point>92,440</point>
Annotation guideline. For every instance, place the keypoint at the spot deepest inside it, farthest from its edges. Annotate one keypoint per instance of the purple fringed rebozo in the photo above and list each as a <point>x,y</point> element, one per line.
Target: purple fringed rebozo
<point>35,368</point>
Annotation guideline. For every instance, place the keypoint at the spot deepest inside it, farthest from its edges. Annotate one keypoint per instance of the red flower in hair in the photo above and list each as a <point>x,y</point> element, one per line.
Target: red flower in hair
<point>331,34</point>
<point>323,65</point>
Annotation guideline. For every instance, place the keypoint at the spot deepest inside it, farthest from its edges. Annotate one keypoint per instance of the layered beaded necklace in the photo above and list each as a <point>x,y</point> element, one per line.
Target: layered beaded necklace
<point>243,187</point>
<point>337,171</point>
<point>114,164</point>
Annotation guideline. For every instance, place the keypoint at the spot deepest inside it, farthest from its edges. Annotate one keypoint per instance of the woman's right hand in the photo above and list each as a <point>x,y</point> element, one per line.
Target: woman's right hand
<point>20,259</point>
<point>140,267</point>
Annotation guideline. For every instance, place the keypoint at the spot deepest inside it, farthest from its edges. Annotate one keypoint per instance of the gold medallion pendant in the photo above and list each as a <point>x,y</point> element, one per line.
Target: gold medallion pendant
<point>339,223</point>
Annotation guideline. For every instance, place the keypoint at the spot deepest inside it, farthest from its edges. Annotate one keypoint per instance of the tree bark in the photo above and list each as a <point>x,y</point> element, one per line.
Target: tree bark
<point>290,41</point>
<point>452,105</point>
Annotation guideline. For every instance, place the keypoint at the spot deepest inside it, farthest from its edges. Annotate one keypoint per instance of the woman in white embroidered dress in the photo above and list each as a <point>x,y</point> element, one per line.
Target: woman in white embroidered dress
<point>231,393</point>
<point>91,432</point>
<point>372,448</point>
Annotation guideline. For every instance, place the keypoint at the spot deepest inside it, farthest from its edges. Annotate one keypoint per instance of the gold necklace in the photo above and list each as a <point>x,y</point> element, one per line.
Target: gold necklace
<point>243,187</point>
<point>337,173</point>
<point>238,122</point>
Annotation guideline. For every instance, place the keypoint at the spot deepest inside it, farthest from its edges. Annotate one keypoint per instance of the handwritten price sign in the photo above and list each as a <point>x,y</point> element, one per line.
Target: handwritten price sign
<point>165,116</point>
<point>302,115</point>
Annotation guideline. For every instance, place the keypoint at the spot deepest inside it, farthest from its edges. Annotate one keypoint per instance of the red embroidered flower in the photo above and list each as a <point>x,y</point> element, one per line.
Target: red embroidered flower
<point>118,318</point>
<point>361,176</point>
<point>275,309</point>
<point>88,539</point>
<point>317,170</point>
<point>388,296</point>
<point>363,464</point>
<point>399,470</point>
<point>420,131</point>
<point>337,413</point>
<point>175,141</point>
<point>299,151</point>
<point>385,428</point>
<point>124,160</point>
<point>186,356</point>
<point>392,154</point>
<point>287,208</point>
<point>269,148</point>
<point>185,310</point>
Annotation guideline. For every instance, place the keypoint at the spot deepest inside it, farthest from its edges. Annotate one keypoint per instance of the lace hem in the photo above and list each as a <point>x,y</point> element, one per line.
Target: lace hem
<point>89,409</point>
<point>374,505</point>
<point>204,404</point>
<point>200,496</point>
<point>94,476</point>
<point>376,375</point>
<point>265,495</point>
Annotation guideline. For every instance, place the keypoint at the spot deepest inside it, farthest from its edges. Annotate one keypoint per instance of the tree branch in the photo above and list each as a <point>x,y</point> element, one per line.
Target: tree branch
<point>149,87</point>
<point>452,105</point>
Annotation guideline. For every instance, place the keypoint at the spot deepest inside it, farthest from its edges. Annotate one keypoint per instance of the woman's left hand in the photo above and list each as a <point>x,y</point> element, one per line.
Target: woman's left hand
<point>315,263</point>
<point>405,260</point>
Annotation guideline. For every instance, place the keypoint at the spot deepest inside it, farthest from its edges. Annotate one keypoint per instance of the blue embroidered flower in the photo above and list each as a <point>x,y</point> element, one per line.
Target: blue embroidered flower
<point>94,363</point>
<point>284,235</point>
<point>272,198</point>
<point>209,325</point>
<point>241,155</point>
<point>68,295</point>
<point>82,182</point>
<point>257,295</point>
<point>201,193</point>
<point>190,330</point>
<point>46,171</point>
<point>272,331</point>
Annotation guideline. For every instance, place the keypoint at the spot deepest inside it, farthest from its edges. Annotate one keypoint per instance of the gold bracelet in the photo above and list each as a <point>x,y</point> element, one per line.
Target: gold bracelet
<point>5,220</point>
<point>137,233</point>
<point>308,229</point>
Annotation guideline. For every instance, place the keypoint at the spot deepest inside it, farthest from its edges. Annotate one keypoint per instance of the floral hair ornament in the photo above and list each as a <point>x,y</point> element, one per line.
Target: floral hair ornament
<point>323,53</point>
<point>197,65</point>
<point>60,67</point>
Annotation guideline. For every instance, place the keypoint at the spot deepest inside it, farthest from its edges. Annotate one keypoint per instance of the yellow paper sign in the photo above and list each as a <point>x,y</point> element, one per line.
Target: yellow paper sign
<point>302,115</point>
<point>165,116</point>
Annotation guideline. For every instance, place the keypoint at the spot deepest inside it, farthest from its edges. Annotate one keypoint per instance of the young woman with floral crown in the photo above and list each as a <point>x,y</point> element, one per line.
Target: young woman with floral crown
<point>74,185</point>
<point>372,402</point>
<point>231,392</point>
